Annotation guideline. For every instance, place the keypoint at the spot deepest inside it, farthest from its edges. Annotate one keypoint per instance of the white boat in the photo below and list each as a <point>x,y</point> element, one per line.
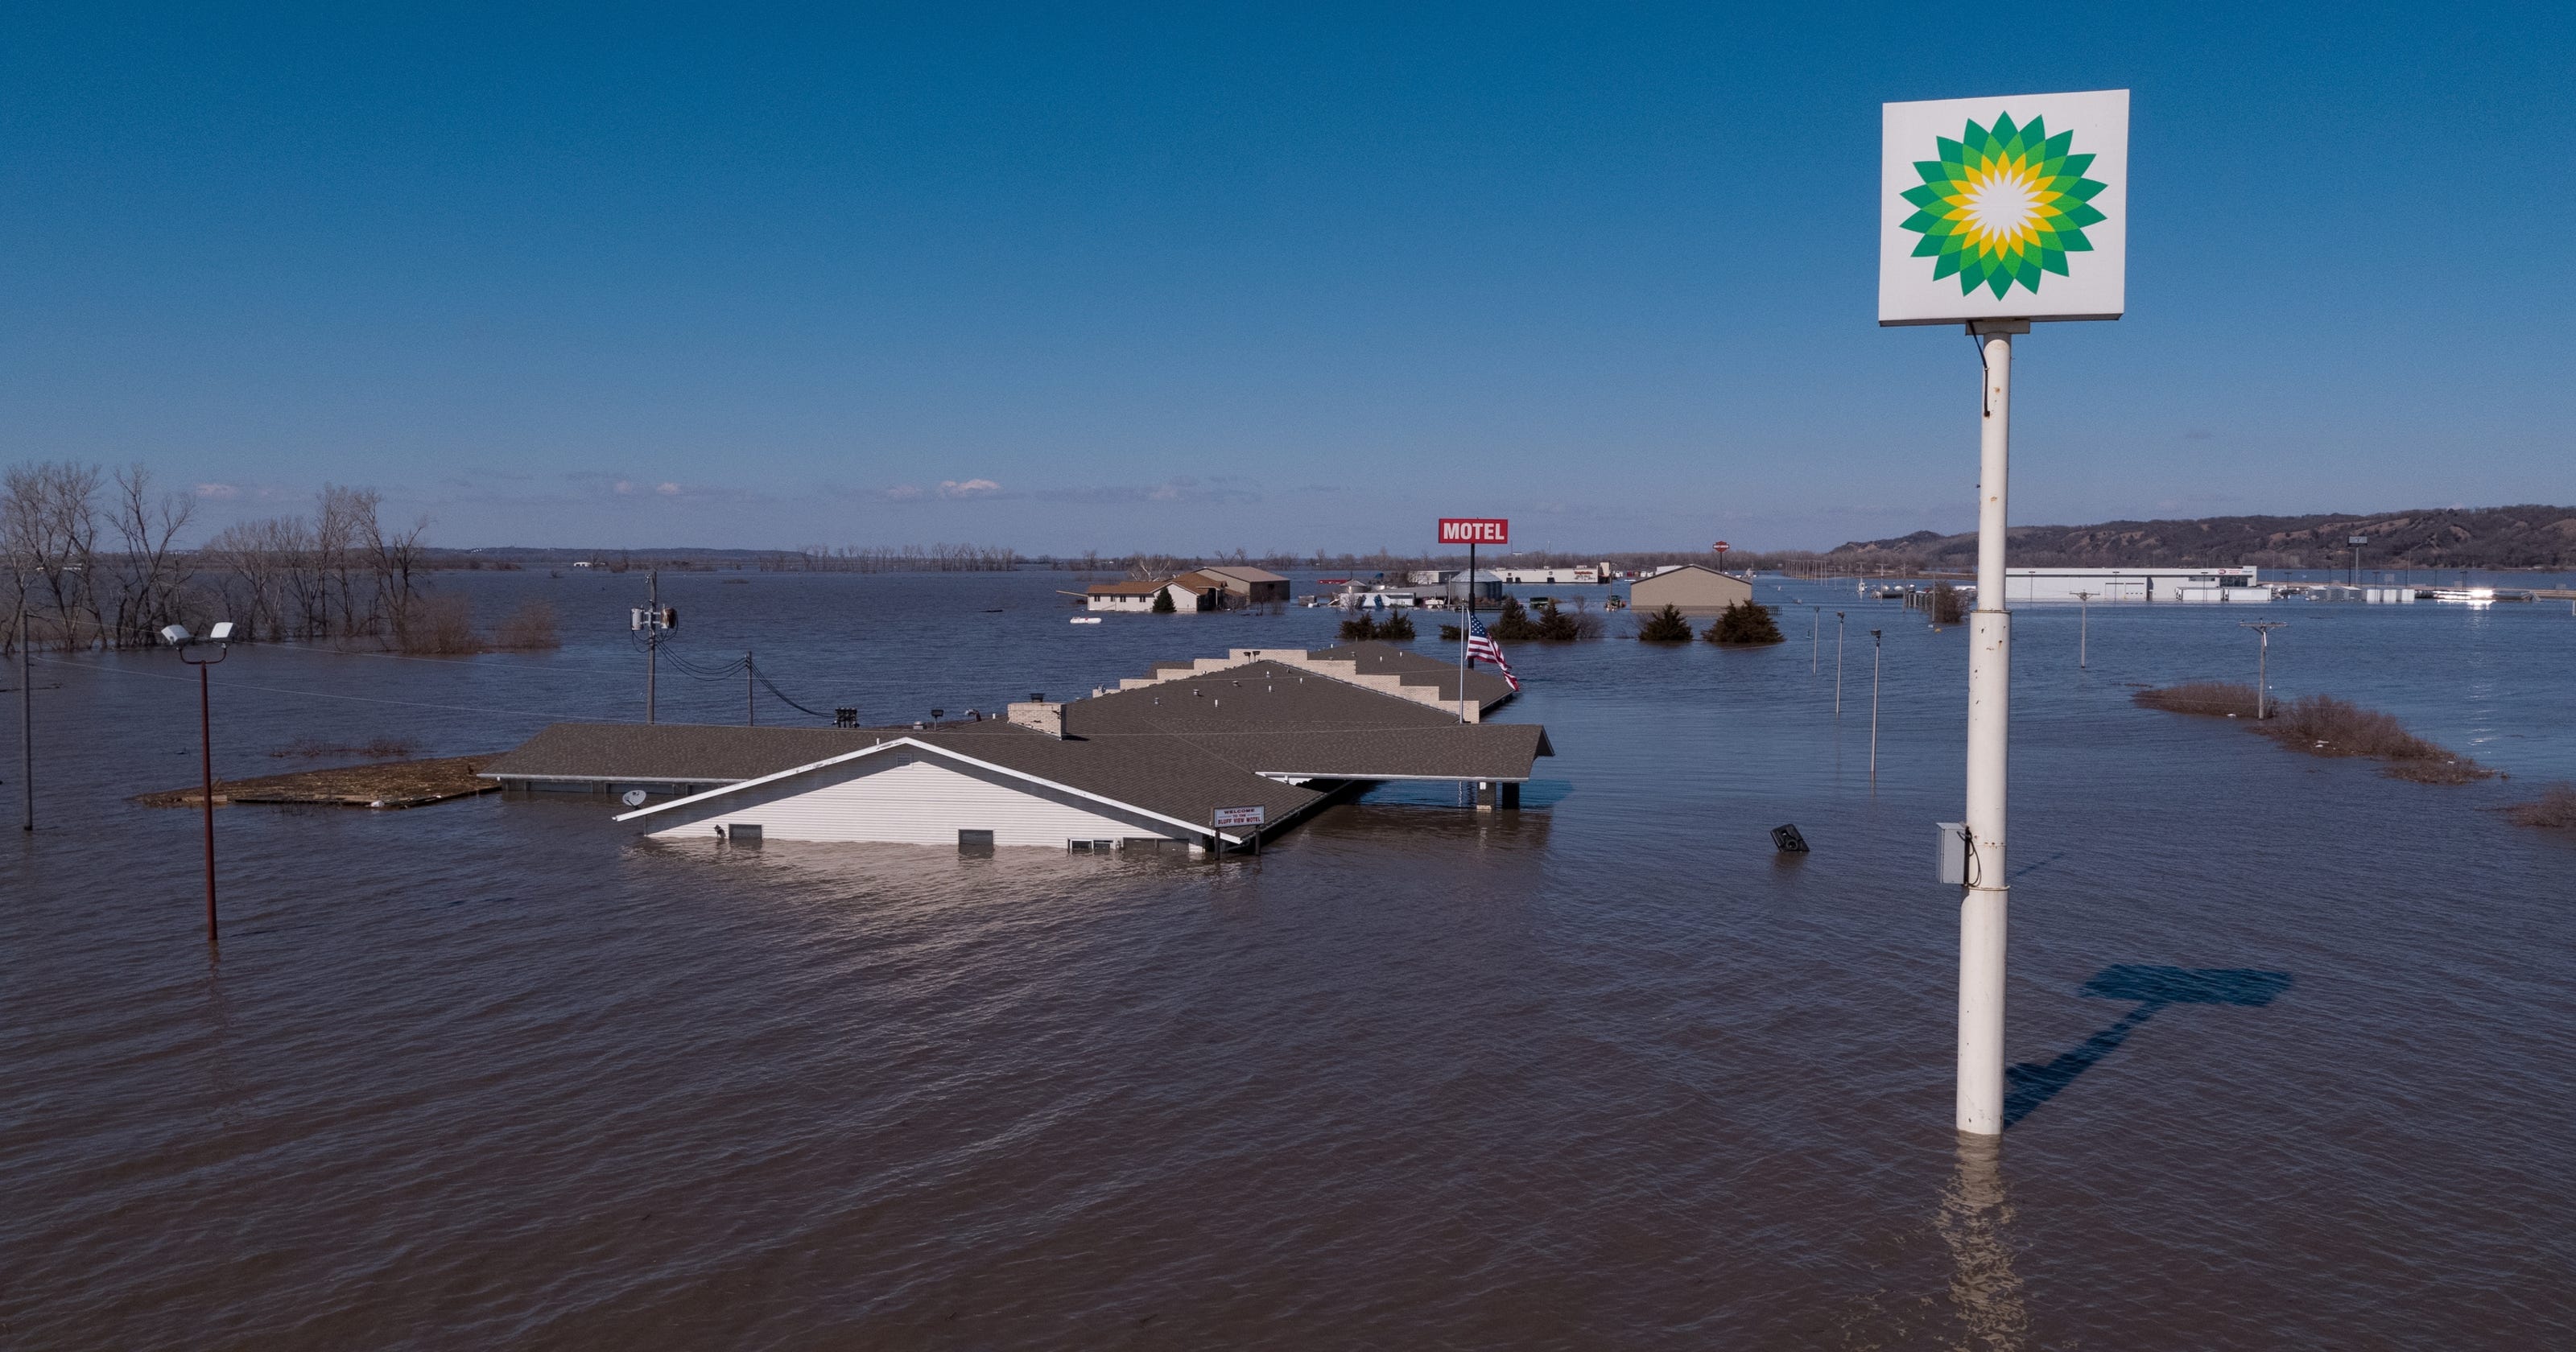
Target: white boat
<point>1084,619</point>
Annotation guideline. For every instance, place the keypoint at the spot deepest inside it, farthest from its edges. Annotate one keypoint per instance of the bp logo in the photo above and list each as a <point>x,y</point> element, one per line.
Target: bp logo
<point>2003,204</point>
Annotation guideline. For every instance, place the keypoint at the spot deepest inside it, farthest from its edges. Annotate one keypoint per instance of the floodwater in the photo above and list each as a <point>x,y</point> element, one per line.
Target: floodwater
<point>2298,1046</point>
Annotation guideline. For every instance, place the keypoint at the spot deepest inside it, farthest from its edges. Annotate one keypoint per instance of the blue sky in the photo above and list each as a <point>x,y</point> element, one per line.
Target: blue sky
<point>1293,278</point>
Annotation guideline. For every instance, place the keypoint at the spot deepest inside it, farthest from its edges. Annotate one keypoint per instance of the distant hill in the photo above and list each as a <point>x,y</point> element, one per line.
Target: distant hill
<point>2448,537</point>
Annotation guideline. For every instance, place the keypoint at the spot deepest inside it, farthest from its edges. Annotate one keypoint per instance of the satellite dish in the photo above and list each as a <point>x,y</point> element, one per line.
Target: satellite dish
<point>632,798</point>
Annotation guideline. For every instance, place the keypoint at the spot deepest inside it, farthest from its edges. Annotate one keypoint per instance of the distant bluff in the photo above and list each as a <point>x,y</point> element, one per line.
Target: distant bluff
<point>2445,537</point>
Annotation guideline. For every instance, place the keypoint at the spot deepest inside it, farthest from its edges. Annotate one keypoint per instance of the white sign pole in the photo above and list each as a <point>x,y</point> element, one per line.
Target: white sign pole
<point>1995,212</point>
<point>1982,913</point>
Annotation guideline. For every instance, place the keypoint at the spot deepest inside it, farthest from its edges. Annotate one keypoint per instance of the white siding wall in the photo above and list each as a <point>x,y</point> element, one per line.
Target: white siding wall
<point>924,803</point>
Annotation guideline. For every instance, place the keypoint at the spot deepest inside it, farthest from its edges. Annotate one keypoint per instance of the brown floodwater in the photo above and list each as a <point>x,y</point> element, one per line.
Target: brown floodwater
<point>2295,1043</point>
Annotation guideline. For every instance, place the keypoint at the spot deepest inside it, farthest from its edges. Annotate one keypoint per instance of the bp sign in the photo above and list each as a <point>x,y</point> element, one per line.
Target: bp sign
<point>2004,208</point>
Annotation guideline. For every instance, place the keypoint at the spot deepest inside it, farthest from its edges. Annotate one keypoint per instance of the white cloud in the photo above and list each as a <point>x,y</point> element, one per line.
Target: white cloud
<point>622,486</point>
<point>904,492</point>
<point>667,490</point>
<point>971,488</point>
<point>217,491</point>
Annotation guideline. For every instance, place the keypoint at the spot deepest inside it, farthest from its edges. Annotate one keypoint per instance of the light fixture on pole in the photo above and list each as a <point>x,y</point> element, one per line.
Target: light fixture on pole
<point>2356,541</point>
<point>2262,664</point>
<point>220,635</point>
<point>1996,212</point>
<point>2083,628</point>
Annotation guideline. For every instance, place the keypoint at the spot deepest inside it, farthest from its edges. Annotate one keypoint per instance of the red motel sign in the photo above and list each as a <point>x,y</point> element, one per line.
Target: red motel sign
<point>1475,530</point>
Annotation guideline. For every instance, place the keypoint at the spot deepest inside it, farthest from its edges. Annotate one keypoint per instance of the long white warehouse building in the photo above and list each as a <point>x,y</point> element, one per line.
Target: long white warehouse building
<point>2033,585</point>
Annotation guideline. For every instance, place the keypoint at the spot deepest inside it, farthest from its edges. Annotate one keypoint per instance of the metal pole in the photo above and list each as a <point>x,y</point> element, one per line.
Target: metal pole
<point>206,760</point>
<point>1877,659</point>
<point>2083,628</point>
<point>1462,631</point>
<point>26,718</point>
<point>1982,913</point>
<point>750,711</point>
<point>2262,664</point>
<point>1838,663</point>
<point>1816,642</point>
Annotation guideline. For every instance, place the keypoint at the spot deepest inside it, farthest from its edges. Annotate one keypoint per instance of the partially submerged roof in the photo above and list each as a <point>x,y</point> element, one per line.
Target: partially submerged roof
<point>673,753</point>
<point>1412,668</point>
<point>1276,719</point>
<point>1176,750</point>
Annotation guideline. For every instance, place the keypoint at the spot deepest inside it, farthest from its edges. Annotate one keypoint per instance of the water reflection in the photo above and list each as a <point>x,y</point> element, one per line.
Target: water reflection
<point>1984,1290</point>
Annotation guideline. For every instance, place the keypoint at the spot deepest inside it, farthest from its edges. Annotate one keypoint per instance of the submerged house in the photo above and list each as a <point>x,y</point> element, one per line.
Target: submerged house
<point>1146,767</point>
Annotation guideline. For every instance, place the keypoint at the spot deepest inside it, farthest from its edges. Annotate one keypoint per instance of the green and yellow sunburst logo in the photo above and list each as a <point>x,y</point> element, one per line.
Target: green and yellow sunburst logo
<point>2003,205</point>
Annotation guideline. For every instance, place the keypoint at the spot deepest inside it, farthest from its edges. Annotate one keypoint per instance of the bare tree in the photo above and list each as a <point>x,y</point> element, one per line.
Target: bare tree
<point>49,525</point>
<point>150,570</point>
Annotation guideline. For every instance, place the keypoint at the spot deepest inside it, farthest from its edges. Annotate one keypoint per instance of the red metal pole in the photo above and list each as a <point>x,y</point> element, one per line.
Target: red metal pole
<point>206,749</point>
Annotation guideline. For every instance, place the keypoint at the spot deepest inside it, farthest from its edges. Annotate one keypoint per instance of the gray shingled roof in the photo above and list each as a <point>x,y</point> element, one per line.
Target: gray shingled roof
<point>678,753</point>
<point>1413,668</point>
<point>1178,749</point>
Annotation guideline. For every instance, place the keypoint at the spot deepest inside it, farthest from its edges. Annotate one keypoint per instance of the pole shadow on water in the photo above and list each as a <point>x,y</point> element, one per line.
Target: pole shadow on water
<point>2031,1084</point>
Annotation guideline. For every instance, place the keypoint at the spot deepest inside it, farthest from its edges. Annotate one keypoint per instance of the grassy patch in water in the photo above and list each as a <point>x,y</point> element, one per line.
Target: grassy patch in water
<point>2554,810</point>
<point>2215,699</point>
<point>2322,725</point>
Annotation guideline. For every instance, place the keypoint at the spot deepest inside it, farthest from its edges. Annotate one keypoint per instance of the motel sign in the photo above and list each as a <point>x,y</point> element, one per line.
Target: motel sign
<point>1475,530</point>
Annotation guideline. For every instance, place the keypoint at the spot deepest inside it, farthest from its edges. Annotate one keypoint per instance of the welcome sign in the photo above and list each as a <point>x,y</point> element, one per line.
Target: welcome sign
<point>2004,208</point>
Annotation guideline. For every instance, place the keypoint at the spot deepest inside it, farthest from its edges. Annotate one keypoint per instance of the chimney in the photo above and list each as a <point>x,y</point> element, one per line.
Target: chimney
<point>1039,715</point>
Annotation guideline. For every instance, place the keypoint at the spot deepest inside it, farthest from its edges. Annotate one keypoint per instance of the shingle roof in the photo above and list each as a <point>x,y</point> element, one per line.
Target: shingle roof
<point>680,753</point>
<point>1412,668</point>
<point>1178,749</point>
<point>1273,718</point>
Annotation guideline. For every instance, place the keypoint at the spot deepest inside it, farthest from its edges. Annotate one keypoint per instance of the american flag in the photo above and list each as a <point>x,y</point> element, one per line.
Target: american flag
<point>1481,647</point>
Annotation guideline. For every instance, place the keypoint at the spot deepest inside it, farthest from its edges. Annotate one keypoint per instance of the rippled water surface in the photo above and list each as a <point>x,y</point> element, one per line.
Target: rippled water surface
<point>2298,1044</point>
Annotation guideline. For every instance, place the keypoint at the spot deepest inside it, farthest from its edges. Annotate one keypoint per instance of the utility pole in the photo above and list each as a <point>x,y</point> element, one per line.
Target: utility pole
<point>2083,628</point>
<point>750,710</point>
<point>1815,642</point>
<point>2262,664</point>
<point>651,621</point>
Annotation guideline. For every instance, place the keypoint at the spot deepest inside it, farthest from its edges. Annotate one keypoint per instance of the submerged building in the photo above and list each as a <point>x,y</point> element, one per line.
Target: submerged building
<point>1256,741</point>
<point>2204,584</point>
<point>1692,589</point>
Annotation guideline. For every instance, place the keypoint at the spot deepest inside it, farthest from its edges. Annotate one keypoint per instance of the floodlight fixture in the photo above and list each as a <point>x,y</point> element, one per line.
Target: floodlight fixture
<point>221,633</point>
<point>176,635</point>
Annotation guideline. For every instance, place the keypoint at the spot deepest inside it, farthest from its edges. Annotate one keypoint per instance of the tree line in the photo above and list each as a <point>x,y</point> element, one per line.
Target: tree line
<point>894,559</point>
<point>93,561</point>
